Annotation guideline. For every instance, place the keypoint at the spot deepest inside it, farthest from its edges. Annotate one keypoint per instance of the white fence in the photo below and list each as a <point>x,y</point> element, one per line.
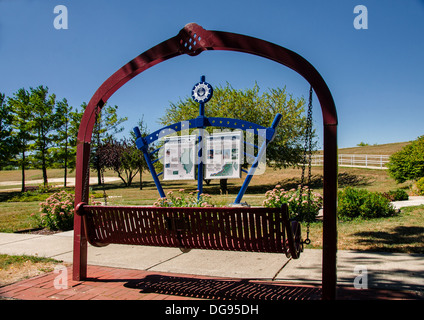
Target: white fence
<point>371,161</point>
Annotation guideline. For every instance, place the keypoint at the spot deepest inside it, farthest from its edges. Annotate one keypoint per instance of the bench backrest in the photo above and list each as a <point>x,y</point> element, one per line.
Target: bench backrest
<point>235,228</point>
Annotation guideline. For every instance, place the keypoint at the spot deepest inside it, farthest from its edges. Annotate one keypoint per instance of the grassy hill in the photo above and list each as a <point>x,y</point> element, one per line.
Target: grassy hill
<point>380,149</point>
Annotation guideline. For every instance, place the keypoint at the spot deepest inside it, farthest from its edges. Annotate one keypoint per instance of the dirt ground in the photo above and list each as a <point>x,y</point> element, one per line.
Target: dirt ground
<point>24,271</point>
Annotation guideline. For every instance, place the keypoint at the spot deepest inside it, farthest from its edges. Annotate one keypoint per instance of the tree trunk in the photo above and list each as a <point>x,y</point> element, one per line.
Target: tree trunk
<point>99,175</point>
<point>23,172</point>
<point>66,163</point>
<point>44,168</point>
<point>65,176</point>
<point>223,186</point>
<point>45,176</point>
<point>141,177</point>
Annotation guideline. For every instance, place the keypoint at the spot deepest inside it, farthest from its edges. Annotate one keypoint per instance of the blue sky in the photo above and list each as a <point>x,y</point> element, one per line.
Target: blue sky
<point>375,75</point>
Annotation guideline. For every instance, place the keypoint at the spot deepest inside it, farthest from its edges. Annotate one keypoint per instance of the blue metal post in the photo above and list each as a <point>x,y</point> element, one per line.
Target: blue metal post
<point>269,136</point>
<point>200,147</point>
<point>142,145</point>
<point>200,155</point>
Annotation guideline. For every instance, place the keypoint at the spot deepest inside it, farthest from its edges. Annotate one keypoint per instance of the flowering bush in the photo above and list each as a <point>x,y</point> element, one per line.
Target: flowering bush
<point>93,201</point>
<point>297,201</point>
<point>181,199</point>
<point>57,212</point>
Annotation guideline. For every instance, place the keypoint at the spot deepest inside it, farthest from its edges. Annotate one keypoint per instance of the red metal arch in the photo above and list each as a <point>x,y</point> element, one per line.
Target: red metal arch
<point>193,40</point>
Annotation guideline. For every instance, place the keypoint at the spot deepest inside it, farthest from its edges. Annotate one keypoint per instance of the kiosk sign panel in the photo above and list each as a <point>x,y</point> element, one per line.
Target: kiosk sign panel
<point>224,155</point>
<point>179,158</point>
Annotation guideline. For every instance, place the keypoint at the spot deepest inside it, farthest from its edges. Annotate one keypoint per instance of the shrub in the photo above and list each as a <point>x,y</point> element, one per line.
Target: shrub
<point>396,195</point>
<point>297,201</point>
<point>420,186</point>
<point>408,163</point>
<point>181,199</point>
<point>350,201</point>
<point>376,206</point>
<point>57,212</point>
<point>354,203</point>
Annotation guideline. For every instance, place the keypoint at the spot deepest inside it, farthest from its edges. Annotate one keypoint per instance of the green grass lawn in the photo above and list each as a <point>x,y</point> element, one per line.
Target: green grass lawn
<point>401,233</point>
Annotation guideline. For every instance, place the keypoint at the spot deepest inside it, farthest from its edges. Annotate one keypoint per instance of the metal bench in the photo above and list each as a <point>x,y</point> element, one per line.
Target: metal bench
<point>233,229</point>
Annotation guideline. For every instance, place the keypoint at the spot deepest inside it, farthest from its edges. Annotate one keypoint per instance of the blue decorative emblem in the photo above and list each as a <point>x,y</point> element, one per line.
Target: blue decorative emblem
<point>202,92</point>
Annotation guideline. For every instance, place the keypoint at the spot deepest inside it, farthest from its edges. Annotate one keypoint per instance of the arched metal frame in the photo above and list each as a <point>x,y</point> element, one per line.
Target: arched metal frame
<point>193,40</point>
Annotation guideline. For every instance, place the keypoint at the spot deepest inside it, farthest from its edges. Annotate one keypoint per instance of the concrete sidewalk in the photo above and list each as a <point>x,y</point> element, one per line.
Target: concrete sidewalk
<point>393,271</point>
<point>412,201</point>
<point>57,181</point>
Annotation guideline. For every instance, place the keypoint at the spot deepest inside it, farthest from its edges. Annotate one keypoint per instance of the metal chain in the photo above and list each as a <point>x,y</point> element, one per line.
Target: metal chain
<point>86,184</point>
<point>307,149</point>
<point>307,160</point>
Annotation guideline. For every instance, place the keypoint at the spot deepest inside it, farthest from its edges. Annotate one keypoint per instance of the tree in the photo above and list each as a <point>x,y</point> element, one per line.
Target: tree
<point>21,110</point>
<point>73,128</point>
<point>62,150</point>
<point>144,132</point>
<point>7,140</point>
<point>408,163</point>
<point>43,124</point>
<point>107,124</point>
<point>68,122</point>
<point>122,157</point>
<point>362,144</point>
<point>250,105</point>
